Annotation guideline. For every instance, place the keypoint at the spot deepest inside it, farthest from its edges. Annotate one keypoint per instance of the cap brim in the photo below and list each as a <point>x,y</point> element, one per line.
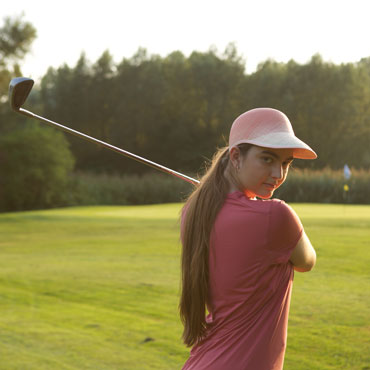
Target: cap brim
<point>282,140</point>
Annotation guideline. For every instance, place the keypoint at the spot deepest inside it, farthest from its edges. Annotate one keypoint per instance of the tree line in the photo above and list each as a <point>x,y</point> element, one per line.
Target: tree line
<point>176,110</point>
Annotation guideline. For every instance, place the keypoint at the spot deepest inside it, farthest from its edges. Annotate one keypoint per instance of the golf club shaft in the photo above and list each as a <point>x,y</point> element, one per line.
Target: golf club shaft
<point>109,146</point>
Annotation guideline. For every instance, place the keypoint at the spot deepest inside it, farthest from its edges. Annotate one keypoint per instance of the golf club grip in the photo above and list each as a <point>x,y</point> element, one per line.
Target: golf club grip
<point>109,146</point>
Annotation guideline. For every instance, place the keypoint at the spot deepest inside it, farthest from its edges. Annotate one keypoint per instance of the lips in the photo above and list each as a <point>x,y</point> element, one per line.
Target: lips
<point>272,186</point>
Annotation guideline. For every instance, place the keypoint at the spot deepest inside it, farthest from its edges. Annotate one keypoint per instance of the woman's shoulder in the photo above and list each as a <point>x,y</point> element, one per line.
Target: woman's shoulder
<point>282,215</point>
<point>276,204</point>
<point>280,206</point>
<point>274,207</point>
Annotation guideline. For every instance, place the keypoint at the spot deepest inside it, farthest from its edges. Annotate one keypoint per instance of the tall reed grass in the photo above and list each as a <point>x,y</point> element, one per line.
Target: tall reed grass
<point>103,189</point>
<point>326,186</point>
<point>307,186</point>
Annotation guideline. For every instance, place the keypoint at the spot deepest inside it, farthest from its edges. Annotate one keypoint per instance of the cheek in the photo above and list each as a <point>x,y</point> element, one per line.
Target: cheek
<point>253,176</point>
<point>244,178</point>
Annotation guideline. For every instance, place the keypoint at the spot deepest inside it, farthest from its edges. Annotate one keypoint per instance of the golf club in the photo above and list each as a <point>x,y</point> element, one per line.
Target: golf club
<point>19,89</point>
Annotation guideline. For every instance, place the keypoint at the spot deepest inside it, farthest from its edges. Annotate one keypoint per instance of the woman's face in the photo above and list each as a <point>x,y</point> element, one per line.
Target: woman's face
<point>261,170</point>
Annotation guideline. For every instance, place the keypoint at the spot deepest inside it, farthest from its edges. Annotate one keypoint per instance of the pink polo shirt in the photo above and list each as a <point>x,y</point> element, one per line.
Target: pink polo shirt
<point>250,286</point>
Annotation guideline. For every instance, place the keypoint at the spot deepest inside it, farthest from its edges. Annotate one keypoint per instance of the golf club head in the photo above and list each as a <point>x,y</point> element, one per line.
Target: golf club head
<point>19,89</point>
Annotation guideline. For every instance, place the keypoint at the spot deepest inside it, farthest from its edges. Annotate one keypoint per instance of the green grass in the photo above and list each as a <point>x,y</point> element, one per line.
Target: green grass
<point>84,288</point>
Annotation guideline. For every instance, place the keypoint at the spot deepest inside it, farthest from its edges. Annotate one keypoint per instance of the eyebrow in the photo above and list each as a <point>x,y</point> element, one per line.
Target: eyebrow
<point>275,155</point>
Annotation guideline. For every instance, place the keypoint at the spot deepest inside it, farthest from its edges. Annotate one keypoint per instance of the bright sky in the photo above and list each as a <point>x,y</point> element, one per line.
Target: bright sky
<point>279,29</point>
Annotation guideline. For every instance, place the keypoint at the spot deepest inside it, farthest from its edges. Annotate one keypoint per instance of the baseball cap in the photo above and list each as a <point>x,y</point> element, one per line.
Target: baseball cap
<point>269,128</point>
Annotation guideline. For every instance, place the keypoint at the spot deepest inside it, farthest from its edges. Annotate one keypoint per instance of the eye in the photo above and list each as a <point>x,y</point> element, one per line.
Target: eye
<point>267,159</point>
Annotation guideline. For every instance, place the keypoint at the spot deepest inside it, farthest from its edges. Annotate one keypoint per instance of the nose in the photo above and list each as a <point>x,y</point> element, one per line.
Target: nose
<point>277,172</point>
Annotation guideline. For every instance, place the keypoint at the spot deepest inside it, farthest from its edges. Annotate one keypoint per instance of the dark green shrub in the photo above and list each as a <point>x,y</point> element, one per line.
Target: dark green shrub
<point>34,167</point>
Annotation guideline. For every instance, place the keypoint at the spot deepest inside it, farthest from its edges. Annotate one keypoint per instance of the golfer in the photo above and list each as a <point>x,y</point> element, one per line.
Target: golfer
<point>240,249</point>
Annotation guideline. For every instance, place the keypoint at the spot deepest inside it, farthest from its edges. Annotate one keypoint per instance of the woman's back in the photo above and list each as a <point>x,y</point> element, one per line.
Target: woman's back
<point>250,280</point>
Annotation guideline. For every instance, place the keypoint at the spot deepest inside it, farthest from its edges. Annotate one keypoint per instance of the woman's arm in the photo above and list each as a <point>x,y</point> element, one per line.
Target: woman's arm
<point>303,256</point>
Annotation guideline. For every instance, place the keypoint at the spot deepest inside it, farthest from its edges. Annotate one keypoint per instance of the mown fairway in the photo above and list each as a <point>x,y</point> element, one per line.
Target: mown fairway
<point>97,288</point>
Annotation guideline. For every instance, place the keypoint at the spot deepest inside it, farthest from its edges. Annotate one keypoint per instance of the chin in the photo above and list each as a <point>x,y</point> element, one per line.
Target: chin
<point>265,195</point>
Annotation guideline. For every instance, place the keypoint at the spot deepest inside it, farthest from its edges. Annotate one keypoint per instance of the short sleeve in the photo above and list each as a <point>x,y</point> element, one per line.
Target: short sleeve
<point>285,230</point>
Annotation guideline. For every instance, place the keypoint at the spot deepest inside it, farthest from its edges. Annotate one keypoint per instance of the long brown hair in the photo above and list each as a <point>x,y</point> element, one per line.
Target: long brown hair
<point>202,207</point>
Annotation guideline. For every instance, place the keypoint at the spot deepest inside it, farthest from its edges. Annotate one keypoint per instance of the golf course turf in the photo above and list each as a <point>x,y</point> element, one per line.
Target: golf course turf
<point>98,288</point>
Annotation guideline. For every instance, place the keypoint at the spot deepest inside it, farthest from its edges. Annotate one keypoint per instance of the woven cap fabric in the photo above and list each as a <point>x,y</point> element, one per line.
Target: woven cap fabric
<point>270,128</point>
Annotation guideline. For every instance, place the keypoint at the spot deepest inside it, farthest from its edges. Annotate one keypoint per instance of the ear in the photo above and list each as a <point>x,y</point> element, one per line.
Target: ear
<point>235,157</point>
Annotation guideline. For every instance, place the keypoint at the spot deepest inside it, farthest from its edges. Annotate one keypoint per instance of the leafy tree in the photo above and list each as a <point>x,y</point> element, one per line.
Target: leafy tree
<point>218,82</point>
<point>140,87</point>
<point>16,37</point>
<point>34,161</point>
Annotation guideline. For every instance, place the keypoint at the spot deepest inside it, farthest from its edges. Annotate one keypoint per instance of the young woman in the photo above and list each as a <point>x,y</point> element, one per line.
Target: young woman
<point>240,249</point>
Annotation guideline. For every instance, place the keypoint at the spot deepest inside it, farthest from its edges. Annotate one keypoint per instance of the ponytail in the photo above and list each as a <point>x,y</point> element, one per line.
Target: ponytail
<point>199,215</point>
<point>201,210</point>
